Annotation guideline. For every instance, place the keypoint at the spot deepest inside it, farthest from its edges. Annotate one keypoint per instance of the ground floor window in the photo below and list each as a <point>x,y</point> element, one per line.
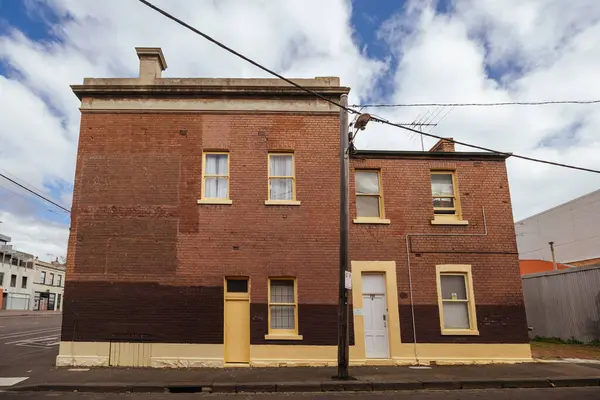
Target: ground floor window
<point>283,306</point>
<point>456,300</point>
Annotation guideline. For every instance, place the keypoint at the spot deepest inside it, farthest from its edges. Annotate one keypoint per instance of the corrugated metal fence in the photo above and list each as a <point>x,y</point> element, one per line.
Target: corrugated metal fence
<point>564,303</point>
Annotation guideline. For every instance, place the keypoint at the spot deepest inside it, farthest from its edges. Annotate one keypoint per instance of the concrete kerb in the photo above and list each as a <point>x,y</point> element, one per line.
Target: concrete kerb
<point>315,386</point>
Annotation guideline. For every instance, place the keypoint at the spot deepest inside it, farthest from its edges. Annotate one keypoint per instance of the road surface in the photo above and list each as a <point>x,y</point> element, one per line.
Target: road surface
<point>28,345</point>
<point>495,394</point>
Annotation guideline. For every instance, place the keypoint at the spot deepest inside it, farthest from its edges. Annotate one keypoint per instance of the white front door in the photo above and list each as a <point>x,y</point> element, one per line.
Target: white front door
<point>375,316</point>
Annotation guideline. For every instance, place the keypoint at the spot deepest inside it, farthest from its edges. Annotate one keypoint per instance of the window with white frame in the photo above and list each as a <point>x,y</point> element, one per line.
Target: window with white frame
<point>42,277</point>
<point>51,280</point>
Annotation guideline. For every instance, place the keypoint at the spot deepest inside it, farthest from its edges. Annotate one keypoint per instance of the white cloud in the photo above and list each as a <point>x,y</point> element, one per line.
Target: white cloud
<point>97,39</point>
<point>549,50</point>
<point>545,49</point>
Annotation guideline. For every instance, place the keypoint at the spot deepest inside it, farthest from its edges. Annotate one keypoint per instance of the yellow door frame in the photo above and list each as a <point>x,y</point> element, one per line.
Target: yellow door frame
<point>388,269</point>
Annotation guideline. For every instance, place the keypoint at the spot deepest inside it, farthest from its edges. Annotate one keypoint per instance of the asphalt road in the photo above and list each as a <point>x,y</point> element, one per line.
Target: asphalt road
<point>495,394</point>
<point>28,344</point>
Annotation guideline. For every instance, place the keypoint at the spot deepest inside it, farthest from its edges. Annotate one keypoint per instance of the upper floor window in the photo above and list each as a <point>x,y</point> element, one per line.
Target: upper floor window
<point>59,280</point>
<point>282,180</point>
<point>24,282</point>
<point>215,176</point>
<point>51,280</point>
<point>13,281</point>
<point>446,204</point>
<point>42,277</point>
<point>1,278</point>
<point>369,197</point>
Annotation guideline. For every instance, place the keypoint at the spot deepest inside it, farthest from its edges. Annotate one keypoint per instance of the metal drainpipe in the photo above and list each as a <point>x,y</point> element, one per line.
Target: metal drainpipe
<point>410,285</point>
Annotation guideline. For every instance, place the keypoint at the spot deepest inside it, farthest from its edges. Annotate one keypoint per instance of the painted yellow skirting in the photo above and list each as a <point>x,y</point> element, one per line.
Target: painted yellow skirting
<point>84,354</point>
<point>167,355</point>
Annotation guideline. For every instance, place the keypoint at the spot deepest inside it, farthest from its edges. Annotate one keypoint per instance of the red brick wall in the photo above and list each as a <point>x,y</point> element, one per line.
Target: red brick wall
<point>136,223</point>
<point>136,218</point>
<point>494,258</point>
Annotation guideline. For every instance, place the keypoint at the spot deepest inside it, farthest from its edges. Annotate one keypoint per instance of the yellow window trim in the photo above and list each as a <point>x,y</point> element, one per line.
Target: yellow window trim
<point>283,334</point>
<point>282,203</point>
<point>293,177</point>
<point>457,216</point>
<point>372,220</point>
<point>463,270</point>
<point>236,295</point>
<point>213,200</point>
<point>448,221</point>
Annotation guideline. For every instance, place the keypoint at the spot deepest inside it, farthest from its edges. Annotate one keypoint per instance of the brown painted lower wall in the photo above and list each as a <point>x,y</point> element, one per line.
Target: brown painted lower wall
<point>496,324</point>
<point>317,323</point>
<point>104,311</point>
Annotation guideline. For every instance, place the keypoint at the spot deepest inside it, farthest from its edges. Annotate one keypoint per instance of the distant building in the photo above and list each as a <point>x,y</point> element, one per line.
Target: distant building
<point>574,227</point>
<point>48,286</point>
<point>535,266</point>
<point>16,276</point>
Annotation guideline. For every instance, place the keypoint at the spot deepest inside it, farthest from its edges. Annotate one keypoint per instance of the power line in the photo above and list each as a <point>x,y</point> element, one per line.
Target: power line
<point>504,103</point>
<point>349,109</point>
<point>34,193</point>
<point>24,196</point>
<point>487,149</point>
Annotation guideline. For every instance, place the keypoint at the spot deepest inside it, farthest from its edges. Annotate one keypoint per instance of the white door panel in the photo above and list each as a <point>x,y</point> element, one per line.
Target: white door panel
<point>375,317</point>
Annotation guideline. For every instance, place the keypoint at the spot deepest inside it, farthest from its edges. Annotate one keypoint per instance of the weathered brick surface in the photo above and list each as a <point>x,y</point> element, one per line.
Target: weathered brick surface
<point>139,239</point>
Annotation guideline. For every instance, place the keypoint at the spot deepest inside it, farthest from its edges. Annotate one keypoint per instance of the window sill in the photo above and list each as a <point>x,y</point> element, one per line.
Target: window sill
<point>381,221</point>
<point>460,332</point>
<point>440,221</point>
<point>283,336</point>
<point>282,203</point>
<point>215,201</point>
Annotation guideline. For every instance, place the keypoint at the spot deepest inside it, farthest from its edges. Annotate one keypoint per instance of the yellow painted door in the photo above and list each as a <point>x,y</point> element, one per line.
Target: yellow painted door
<point>237,327</point>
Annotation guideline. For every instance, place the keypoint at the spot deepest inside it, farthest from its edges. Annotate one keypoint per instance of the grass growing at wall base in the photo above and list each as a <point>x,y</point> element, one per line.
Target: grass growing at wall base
<point>553,348</point>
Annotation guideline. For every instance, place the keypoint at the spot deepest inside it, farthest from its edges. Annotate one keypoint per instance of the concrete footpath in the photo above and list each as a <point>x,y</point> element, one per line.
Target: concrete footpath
<point>313,379</point>
<point>28,313</point>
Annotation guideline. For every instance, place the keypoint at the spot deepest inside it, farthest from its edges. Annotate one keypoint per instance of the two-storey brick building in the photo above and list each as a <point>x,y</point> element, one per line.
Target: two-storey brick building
<point>205,228</point>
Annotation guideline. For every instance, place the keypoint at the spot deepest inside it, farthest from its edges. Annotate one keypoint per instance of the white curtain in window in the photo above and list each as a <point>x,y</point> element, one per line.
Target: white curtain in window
<point>216,186</point>
<point>282,316</point>
<point>281,188</point>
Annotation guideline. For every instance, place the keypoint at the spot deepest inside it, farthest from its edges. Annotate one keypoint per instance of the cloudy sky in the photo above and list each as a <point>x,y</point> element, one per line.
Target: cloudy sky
<point>388,51</point>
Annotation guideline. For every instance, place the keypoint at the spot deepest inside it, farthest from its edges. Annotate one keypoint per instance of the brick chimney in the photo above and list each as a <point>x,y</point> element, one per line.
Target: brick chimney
<point>445,145</point>
<point>152,63</point>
